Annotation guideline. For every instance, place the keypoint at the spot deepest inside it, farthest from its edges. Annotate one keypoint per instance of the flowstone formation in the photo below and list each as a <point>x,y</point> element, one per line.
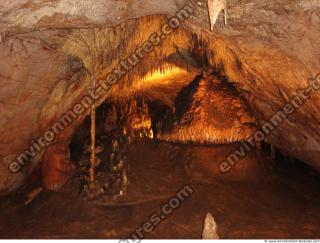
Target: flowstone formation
<point>214,115</point>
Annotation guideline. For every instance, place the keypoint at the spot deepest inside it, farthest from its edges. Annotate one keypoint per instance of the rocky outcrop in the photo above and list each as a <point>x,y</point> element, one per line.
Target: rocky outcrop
<point>214,114</point>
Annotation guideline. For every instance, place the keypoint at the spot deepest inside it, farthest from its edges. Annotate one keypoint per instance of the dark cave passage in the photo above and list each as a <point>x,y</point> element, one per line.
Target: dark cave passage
<point>121,123</point>
<point>263,194</point>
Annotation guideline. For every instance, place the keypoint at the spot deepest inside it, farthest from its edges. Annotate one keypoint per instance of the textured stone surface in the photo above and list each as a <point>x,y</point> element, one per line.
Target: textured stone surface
<point>211,113</point>
<point>56,169</point>
<point>28,14</point>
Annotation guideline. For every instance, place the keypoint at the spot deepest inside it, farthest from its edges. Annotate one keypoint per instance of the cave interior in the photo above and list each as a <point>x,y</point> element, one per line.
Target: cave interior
<point>187,113</point>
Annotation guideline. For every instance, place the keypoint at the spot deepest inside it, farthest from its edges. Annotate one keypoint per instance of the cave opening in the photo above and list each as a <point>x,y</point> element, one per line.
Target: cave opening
<point>145,135</point>
<point>155,118</point>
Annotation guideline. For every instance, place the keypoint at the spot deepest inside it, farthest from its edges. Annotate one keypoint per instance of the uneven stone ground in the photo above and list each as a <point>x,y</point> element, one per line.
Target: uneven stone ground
<point>280,203</point>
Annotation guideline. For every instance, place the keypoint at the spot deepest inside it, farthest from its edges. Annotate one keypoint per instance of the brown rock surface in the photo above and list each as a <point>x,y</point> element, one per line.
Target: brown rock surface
<point>216,114</point>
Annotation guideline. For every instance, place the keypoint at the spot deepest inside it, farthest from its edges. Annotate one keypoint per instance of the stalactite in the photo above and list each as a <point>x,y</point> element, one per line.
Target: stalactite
<point>215,7</point>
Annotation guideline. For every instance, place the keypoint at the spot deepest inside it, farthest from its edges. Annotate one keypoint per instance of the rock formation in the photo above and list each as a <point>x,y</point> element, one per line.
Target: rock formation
<point>210,228</point>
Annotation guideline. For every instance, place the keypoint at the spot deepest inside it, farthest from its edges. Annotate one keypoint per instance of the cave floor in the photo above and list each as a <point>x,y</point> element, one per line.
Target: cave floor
<point>281,204</point>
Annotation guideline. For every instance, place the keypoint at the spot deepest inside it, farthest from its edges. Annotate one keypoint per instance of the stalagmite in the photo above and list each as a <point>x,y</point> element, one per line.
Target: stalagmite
<point>210,228</point>
<point>93,137</point>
